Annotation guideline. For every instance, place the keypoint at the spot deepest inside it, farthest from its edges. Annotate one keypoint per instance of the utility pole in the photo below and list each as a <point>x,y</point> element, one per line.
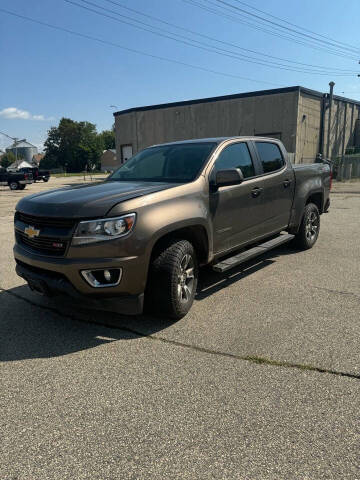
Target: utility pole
<point>16,141</point>
<point>329,118</point>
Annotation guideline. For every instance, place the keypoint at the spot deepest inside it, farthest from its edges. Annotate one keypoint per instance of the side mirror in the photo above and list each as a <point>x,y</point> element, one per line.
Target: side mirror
<point>230,176</point>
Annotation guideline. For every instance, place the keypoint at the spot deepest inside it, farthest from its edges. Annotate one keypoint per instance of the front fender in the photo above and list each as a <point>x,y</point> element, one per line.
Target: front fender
<point>164,212</point>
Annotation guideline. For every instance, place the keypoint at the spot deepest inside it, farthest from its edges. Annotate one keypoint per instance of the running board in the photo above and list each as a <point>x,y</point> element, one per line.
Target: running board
<point>242,257</point>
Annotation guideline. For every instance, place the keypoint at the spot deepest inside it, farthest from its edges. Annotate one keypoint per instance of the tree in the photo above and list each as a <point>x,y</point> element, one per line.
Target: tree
<point>108,139</point>
<point>75,145</point>
<point>7,159</point>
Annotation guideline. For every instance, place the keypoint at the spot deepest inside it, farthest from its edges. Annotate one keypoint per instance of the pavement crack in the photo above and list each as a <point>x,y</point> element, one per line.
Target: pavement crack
<point>340,292</point>
<point>248,358</point>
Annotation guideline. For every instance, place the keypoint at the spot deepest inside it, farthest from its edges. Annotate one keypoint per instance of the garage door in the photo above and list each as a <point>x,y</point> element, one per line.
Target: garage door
<point>126,152</point>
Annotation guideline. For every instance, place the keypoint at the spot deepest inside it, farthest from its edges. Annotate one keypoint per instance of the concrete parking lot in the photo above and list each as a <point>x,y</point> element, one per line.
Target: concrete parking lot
<point>259,381</point>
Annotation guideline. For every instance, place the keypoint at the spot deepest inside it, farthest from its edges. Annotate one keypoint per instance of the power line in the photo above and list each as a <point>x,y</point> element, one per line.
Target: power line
<point>201,45</point>
<point>224,42</point>
<point>237,18</point>
<point>296,36</point>
<point>296,26</point>
<point>352,49</point>
<point>132,50</point>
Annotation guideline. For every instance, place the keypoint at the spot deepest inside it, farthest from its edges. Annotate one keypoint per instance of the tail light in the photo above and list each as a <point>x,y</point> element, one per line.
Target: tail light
<point>26,176</point>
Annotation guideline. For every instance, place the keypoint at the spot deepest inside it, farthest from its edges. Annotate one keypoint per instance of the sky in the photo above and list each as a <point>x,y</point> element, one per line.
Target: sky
<point>47,74</point>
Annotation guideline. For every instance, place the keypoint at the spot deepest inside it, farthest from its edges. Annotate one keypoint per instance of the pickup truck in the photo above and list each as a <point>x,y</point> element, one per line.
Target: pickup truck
<point>37,174</point>
<point>16,180</point>
<point>139,237</point>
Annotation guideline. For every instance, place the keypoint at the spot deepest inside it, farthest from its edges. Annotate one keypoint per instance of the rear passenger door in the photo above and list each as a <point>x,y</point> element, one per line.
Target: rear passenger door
<point>278,185</point>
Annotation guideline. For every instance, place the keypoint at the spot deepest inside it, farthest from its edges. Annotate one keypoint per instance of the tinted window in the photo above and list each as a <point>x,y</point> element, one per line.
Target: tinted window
<point>177,163</point>
<point>270,156</point>
<point>236,156</point>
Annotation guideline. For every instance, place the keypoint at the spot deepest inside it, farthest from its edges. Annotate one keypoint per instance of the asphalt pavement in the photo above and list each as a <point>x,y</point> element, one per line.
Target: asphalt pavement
<point>259,381</point>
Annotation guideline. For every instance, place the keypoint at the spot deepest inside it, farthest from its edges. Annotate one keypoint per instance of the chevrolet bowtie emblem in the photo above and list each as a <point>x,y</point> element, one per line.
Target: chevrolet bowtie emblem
<point>31,232</point>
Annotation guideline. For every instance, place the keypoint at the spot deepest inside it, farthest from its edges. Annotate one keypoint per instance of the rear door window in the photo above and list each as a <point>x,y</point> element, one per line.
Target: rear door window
<point>270,156</point>
<point>236,155</point>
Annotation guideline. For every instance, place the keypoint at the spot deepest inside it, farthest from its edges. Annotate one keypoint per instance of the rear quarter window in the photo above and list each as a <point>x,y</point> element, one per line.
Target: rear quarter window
<point>270,156</point>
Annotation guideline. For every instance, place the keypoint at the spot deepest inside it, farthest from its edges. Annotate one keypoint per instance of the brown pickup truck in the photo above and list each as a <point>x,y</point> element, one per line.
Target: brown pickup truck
<point>144,232</point>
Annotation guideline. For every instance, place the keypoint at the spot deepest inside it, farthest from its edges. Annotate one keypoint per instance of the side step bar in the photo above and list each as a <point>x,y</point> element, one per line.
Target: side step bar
<point>242,257</point>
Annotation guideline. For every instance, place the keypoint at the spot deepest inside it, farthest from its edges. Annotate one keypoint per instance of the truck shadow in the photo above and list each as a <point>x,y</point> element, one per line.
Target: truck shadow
<point>211,282</point>
<point>32,326</point>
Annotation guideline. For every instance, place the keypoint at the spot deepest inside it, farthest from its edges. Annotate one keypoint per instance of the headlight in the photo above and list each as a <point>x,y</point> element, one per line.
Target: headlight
<point>91,231</point>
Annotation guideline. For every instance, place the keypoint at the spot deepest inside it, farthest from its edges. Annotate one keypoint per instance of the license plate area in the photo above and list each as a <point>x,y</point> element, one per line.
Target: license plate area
<point>38,286</point>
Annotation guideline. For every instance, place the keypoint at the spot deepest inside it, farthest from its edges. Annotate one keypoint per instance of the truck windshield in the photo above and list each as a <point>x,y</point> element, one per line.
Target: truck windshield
<point>177,163</point>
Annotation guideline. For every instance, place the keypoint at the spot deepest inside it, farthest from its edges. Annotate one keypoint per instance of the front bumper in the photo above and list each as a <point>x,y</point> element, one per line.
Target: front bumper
<point>50,283</point>
<point>63,275</point>
<point>134,269</point>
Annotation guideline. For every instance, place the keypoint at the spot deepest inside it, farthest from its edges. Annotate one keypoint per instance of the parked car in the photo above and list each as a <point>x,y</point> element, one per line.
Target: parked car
<point>15,180</point>
<point>37,174</point>
<point>144,232</point>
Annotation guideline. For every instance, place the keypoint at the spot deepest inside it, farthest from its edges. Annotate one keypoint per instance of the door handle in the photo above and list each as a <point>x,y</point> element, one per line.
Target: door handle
<point>286,183</point>
<point>255,192</point>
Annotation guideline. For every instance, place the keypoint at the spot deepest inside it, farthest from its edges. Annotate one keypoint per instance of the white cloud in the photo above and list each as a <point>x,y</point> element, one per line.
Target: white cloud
<point>13,112</point>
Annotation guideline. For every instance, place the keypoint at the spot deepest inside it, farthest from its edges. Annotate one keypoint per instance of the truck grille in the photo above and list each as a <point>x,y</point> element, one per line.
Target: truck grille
<point>45,221</point>
<point>54,236</point>
<point>46,245</point>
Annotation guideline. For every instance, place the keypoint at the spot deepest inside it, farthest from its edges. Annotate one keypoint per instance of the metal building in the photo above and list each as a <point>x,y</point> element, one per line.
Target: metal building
<point>24,150</point>
<point>296,115</point>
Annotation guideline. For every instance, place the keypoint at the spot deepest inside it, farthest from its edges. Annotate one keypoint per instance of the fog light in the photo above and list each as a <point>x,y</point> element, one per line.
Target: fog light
<point>100,278</point>
<point>107,275</point>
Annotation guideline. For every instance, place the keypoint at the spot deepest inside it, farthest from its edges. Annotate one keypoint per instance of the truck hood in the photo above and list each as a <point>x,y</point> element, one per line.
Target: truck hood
<point>86,201</point>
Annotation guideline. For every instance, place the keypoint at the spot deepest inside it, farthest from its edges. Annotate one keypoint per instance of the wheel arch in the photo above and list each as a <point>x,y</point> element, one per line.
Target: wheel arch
<point>317,198</point>
<point>195,234</point>
<point>297,214</point>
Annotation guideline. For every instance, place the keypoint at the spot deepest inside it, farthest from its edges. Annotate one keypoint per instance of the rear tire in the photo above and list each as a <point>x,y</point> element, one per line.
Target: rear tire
<point>14,186</point>
<point>22,187</point>
<point>45,179</point>
<point>172,280</point>
<point>309,228</point>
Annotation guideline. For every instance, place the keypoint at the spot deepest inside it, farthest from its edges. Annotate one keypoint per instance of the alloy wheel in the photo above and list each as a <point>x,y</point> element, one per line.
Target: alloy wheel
<point>311,226</point>
<point>186,278</point>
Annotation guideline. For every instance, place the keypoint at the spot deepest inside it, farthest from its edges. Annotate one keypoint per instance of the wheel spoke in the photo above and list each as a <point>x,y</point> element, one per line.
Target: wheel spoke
<point>185,262</point>
<point>187,292</point>
<point>190,272</point>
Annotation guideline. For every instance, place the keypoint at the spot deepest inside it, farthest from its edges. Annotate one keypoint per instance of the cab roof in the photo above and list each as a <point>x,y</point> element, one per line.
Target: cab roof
<point>216,140</point>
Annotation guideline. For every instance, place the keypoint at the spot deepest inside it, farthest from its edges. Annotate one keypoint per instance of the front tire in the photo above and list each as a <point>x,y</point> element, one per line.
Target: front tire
<point>22,187</point>
<point>173,279</point>
<point>45,179</point>
<point>309,228</point>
